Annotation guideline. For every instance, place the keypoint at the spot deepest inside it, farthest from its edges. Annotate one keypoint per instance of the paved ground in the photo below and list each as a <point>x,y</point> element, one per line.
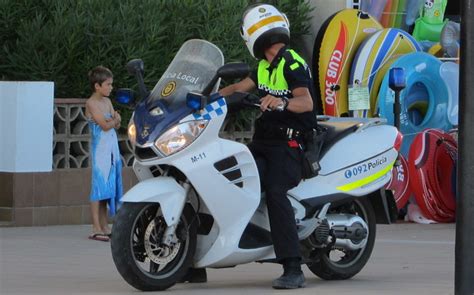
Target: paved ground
<point>407,259</point>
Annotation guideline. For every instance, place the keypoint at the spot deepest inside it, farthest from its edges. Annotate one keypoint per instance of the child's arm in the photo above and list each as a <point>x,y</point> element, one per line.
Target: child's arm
<point>115,115</point>
<point>99,118</point>
<point>118,118</point>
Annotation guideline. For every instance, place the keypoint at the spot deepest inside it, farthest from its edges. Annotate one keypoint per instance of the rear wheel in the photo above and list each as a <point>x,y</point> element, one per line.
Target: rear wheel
<point>333,263</point>
<point>138,252</point>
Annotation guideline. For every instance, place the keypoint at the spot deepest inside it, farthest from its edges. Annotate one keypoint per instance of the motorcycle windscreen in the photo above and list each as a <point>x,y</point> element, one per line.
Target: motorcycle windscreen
<point>192,69</point>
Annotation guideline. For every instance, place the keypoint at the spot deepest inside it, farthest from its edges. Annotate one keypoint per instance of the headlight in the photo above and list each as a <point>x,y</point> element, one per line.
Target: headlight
<point>132,132</point>
<point>180,136</point>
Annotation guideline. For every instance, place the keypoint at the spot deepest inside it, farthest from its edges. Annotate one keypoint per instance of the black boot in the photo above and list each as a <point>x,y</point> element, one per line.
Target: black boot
<point>292,277</point>
<point>195,275</point>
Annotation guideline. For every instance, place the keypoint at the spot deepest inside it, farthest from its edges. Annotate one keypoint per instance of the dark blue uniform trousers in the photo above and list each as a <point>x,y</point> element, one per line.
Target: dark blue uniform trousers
<point>280,169</point>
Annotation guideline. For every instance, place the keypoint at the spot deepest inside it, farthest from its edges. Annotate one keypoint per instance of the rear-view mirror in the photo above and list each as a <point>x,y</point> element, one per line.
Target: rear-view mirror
<point>233,70</point>
<point>135,66</point>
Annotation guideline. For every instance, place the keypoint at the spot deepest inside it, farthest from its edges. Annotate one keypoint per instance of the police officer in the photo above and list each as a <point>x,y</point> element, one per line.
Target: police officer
<point>284,84</point>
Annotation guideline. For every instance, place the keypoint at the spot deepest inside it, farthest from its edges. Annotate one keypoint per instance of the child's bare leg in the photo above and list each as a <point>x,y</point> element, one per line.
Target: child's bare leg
<point>104,221</point>
<point>96,227</point>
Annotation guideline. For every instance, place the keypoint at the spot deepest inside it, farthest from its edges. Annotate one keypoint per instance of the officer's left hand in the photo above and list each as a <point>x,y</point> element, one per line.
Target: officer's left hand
<point>270,102</point>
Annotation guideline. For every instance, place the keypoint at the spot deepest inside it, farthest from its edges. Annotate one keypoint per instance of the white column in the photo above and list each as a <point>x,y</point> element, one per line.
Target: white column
<point>26,126</point>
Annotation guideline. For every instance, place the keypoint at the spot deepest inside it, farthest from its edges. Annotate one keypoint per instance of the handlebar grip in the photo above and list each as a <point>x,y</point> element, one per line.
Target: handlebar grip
<point>249,99</point>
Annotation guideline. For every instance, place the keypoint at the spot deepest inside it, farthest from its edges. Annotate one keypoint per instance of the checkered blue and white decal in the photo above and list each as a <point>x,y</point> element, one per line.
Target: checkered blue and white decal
<point>212,110</point>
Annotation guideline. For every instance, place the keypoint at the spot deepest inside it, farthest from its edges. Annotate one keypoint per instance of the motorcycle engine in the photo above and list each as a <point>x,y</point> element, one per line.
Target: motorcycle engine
<point>321,235</point>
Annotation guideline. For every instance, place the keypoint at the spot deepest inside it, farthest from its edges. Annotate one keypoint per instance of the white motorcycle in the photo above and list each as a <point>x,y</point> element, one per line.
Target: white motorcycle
<point>198,202</point>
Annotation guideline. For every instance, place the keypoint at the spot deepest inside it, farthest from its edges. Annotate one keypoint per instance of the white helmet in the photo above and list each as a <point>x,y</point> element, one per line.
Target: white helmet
<point>262,26</point>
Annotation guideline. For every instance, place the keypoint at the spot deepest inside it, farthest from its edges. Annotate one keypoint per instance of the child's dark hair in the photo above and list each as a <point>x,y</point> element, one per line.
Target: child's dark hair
<point>98,75</point>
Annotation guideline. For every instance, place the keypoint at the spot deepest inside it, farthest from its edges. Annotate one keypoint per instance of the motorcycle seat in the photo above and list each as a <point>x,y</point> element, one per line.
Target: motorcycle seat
<point>335,131</point>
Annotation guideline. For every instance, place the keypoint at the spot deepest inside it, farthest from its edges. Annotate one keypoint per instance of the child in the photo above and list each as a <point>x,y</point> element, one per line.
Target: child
<point>106,185</point>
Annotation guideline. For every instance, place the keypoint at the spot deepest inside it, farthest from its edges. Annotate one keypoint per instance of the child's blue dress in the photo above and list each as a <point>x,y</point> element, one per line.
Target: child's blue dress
<point>106,166</point>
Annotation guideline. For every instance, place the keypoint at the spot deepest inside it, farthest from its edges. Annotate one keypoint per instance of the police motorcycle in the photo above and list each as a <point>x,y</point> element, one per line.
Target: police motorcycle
<point>198,202</point>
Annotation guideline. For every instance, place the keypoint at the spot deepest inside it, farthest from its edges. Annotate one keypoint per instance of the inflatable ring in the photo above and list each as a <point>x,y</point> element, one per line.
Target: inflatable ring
<point>449,71</point>
<point>423,84</point>
<point>400,183</point>
<point>417,111</point>
<point>374,57</point>
<point>432,163</point>
<point>334,49</point>
<point>450,38</point>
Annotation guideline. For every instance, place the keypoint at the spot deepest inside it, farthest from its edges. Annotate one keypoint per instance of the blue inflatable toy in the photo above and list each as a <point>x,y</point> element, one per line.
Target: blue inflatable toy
<point>424,101</point>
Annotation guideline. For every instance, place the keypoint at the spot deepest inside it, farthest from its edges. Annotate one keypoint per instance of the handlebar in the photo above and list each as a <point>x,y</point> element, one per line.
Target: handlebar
<point>248,99</point>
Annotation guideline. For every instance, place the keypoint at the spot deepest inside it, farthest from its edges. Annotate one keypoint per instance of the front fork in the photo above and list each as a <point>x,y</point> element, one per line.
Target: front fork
<point>169,237</point>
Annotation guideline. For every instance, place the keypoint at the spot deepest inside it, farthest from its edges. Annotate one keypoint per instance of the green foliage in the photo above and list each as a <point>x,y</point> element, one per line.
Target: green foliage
<point>61,40</point>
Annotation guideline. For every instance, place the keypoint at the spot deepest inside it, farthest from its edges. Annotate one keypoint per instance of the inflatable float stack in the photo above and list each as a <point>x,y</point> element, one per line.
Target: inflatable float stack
<point>334,50</point>
<point>374,57</point>
<point>353,54</point>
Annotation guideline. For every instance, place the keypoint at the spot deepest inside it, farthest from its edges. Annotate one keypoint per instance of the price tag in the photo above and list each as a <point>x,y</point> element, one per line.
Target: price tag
<point>359,98</point>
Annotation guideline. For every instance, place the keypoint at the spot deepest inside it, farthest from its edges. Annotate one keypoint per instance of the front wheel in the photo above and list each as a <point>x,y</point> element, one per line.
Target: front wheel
<point>334,263</point>
<point>138,252</point>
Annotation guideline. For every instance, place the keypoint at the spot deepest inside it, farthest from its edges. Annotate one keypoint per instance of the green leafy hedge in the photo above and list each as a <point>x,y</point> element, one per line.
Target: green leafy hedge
<point>61,40</point>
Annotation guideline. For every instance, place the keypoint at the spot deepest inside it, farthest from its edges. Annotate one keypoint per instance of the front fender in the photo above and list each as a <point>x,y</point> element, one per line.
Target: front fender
<point>163,190</point>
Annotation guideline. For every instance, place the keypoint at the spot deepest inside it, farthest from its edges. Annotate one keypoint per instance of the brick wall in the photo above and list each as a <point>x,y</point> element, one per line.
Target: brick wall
<point>49,198</point>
